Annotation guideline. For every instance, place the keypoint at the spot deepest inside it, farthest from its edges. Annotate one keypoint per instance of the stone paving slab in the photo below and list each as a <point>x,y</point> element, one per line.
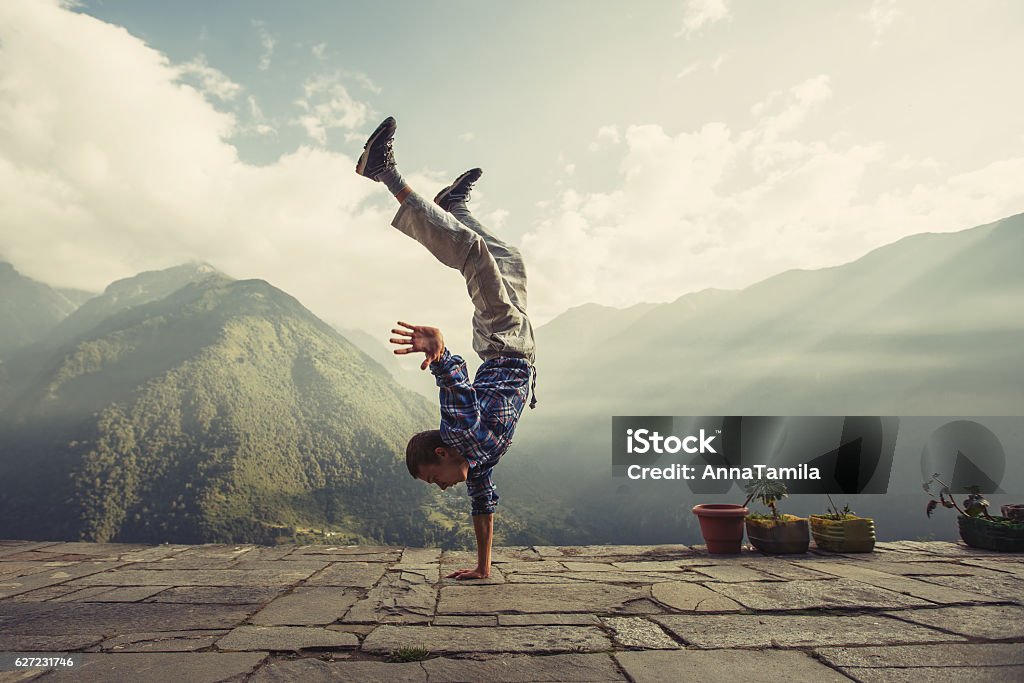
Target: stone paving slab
<point>1006,566</point>
<point>197,577</point>
<point>538,599</point>
<point>602,577</point>
<point>793,595</point>
<point>733,573</point>
<point>1002,587</point>
<point>219,595</point>
<point>903,656</point>
<point>395,601</point>
<point>306,607</point>
<point>194,667</point>
<point>13,547</point>
<point>724,666</point>
<point>55,575</point>
<point>285,638</point>
<point>901,584</point>
<point>49,618</point>
<point>353,574</point>
<point>67,642</point>
<point>309,670</point>
<point>118,594</point>
<point>691,597</point>
<point>572,668</point>
<point>784,630</point>
<point>943,674</point>
<point>639,633</point>
<point>931,569</point>
<point>513,639</point>
<point>625,552</point>
<point>545,669</point>
<point>163,641</point>
<point>547,619</point>
<point>991,622</point>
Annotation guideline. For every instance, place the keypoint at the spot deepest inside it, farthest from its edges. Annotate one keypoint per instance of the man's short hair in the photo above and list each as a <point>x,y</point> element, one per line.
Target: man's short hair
<point>420,451</point>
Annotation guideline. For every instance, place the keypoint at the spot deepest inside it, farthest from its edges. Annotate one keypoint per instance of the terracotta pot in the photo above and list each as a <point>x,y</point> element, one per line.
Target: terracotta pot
<point>979,532</point>
<point>722,527</point>
<point>1014,511</point>
<point>852,535</point>
<point>785,537</point>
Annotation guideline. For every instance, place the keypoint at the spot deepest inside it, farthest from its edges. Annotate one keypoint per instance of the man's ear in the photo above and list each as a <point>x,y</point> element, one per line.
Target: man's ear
<point>440,452</point>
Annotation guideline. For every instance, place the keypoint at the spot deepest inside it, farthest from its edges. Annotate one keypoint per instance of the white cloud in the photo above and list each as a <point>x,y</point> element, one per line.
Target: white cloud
<point>719,61</point>
<point>717,207</point>
<point>881,16</point>
<point>319,50</point>
<point>467,137</point>
<point>687,70</point>
<point>700,13</point>
<point>327,104</point>
<point>109,166</point>
<point>267,41</point>
<point>257,122</point>
<point>606,136</point>
<point>210,81</point>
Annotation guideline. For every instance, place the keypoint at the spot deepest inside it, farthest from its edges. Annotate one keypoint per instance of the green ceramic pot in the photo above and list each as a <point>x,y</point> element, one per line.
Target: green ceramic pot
<point>785,537</point>
<point>979,532</point>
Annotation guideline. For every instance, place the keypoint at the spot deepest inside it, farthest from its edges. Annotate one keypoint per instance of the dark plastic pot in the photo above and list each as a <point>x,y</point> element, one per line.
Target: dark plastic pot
<point>979,532</point>
<point>722,527</point>
<point>785,537</point>
<point>1014,511</point>
<point>853,535</point>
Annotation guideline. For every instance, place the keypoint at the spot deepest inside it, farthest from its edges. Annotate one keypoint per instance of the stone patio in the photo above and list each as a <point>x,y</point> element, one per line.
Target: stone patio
<point>911,611</point>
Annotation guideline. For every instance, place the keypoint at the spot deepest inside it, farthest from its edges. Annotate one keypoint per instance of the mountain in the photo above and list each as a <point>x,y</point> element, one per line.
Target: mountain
<point>930,325</point>
<point>133,291</point>
<point>223,411</point>
<point>29,310</point>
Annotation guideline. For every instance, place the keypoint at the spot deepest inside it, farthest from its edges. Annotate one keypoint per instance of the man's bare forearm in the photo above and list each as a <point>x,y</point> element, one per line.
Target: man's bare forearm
<point>483,525</point>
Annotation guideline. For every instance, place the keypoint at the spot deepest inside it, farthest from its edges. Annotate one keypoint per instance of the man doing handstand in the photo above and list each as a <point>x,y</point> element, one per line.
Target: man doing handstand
<point>478,419</point>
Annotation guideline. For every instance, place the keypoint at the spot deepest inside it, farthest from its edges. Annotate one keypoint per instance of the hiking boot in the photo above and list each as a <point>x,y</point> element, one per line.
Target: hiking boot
<point>458,191</point>
<point>377,153</point>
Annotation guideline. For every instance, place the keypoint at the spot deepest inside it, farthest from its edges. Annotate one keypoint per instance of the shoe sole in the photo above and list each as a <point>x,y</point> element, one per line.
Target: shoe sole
<point>385,126</point>
<point>443,194</point>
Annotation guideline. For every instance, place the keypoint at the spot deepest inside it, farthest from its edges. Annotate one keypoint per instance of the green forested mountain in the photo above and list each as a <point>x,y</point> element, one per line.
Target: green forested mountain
<point>225,411</point>
<point>29,310</point>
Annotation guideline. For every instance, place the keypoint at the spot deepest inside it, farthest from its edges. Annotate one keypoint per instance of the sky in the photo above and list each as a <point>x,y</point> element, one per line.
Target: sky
<point>635,152</point>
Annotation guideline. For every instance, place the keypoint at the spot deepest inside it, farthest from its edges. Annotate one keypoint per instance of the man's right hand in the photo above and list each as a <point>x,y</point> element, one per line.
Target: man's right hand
<point>417,339</point>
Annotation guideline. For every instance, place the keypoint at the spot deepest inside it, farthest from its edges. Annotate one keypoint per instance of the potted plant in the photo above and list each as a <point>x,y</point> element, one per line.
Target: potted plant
<point>978,528</point>
<point>841,531</point>
<point>1013,511</point>
<point>722,527</point>
<point>776,534</point>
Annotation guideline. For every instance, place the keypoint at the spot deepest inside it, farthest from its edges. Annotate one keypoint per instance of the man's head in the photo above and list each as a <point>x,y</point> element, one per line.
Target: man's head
<point>430,460</point>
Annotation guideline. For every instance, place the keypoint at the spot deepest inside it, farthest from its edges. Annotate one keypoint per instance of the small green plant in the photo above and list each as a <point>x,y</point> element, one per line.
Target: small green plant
<point>835,514</point>
<point>974,504</point>
<point>768,492</point>
<point>409,654</point>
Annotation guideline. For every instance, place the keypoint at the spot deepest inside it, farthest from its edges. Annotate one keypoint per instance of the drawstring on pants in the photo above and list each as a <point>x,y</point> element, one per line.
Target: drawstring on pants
<point>533,386</point>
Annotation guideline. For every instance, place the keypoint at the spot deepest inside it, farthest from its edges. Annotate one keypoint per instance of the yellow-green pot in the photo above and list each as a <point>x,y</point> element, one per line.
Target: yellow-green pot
<point>850,535</point>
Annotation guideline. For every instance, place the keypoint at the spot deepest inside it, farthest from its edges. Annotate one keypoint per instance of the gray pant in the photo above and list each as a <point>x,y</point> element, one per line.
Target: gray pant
<point>494,273</point>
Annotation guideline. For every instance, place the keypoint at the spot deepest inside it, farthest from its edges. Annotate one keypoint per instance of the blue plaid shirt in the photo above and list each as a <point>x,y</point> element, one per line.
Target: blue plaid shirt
<point>479,419</point>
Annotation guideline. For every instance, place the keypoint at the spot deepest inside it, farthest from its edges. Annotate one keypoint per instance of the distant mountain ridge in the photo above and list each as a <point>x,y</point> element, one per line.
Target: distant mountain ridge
<point>29,310</point>
<point>930,325</point>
